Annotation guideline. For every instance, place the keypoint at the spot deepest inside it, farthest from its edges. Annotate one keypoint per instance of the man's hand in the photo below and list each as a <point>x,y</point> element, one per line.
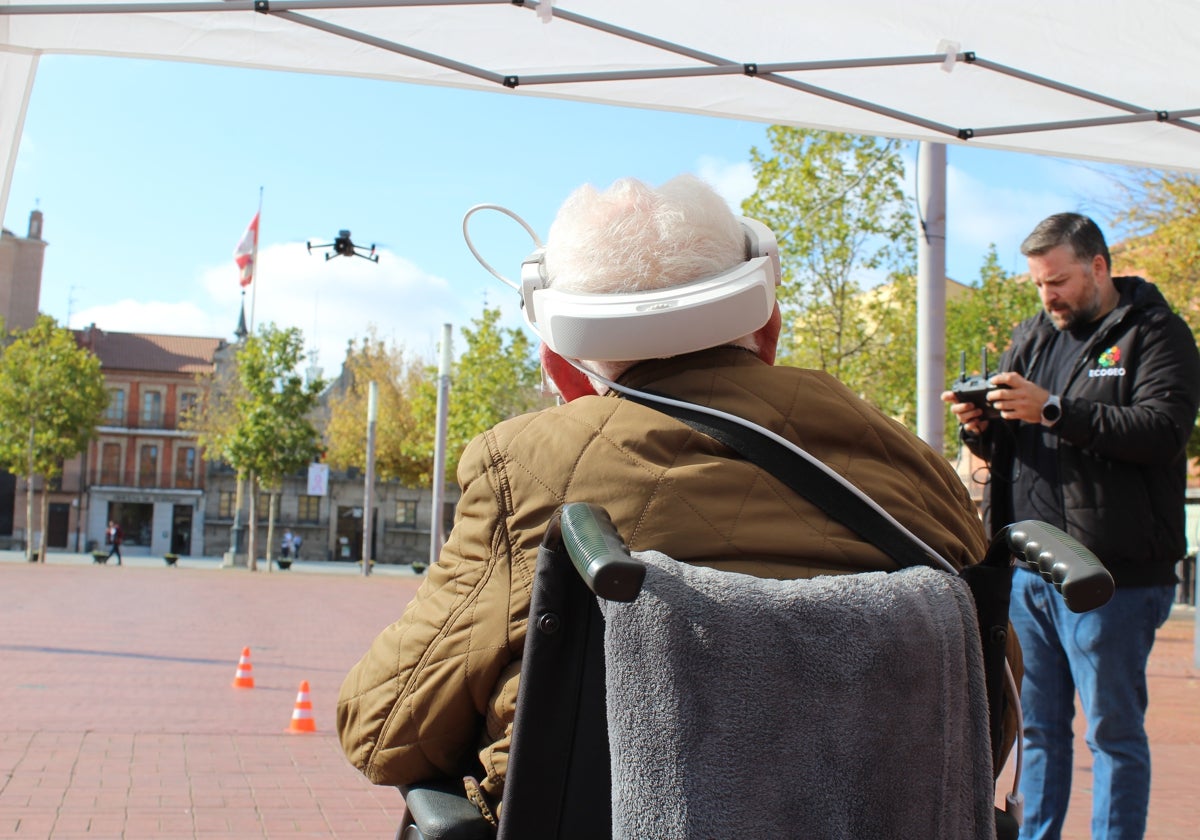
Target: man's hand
<point>1020,399</point>
<point>969,415</point>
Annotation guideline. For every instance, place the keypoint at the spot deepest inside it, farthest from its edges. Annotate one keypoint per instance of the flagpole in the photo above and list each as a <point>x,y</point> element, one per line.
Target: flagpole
<point>254,260</point>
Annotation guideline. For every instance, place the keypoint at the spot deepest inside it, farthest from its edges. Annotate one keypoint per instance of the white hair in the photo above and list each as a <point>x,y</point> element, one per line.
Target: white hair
<point>633,237</point>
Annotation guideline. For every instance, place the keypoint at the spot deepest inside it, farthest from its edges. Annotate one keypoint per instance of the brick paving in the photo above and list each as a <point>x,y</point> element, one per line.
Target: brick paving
<point>1173,725</point>
<point>119,715</point>
<point>119,719</point>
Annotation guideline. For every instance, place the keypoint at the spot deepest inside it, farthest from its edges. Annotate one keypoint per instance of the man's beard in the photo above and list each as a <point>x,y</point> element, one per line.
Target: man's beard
<point>1073,317</point>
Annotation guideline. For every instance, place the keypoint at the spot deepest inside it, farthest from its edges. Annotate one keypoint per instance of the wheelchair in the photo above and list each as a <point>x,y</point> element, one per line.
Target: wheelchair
<point>559,783</point>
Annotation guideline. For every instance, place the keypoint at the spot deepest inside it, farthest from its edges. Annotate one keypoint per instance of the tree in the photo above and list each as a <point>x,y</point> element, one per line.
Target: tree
<point>886,374</point>
<point>257,420</point>
<point>836,203</point>
<point>214,419</point>
<point>984,317</point>
<point>496,377</point>
<point>274,435</point>
<point>52,397</point>
<point>1162,212</point>
<point>399,377</point>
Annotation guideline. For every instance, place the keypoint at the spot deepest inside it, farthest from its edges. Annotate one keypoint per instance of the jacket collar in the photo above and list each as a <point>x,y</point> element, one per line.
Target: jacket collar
<point>645,374</point>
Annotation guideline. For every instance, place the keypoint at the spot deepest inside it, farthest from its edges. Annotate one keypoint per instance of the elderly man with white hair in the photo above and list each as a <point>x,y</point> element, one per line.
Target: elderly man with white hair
<point>434,696</point>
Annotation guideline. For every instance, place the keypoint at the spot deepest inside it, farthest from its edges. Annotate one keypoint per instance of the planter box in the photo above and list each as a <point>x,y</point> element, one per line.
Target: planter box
<point>170,559</point>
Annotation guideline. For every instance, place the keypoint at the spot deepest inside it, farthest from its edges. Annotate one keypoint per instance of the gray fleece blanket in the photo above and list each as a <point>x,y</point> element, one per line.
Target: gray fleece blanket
<point>840,707</point>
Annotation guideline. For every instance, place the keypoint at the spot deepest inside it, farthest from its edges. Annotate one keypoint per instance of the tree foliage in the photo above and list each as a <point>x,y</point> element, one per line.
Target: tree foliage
<point>214,417</point>
<point>497,376</point>
<point>256,417</point>
<point>1162,212</point>
<point>274,435</point>
<point>399,377</point>
<point>836,203</point>
<point>52,397</point>
<point>984,317</point>
<point>886,374</point>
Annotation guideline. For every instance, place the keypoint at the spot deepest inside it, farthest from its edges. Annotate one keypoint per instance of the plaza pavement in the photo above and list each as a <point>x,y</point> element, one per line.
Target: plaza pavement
<point>118,718</point>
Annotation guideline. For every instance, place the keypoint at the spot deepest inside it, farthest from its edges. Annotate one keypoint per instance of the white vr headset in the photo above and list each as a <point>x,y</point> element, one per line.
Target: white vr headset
<point>660,322</point>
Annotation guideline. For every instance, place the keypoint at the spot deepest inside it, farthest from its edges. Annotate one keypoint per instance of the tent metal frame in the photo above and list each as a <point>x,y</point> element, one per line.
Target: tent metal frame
<point>711,65</point>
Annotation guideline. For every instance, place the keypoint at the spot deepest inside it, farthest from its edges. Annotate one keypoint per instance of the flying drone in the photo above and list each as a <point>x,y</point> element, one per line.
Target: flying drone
<point>343,246</point>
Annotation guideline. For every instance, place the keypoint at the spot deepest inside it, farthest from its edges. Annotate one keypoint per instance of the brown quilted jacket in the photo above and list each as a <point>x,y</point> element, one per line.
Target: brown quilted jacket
<point>436,690</point>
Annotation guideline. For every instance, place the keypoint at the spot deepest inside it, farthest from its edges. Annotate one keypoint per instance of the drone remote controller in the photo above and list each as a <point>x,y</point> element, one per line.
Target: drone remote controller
<point>974,389</point>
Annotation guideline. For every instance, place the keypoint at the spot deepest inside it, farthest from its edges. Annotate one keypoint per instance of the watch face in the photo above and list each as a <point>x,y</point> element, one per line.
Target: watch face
<point>1051,411</point>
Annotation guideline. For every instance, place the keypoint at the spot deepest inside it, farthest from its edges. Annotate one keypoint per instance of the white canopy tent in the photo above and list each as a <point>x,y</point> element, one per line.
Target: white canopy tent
<point>1106,81</point>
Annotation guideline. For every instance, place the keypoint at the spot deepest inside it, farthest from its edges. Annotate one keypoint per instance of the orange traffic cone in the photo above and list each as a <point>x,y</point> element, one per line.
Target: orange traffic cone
<point>302,717</point>
<point>244,678</point>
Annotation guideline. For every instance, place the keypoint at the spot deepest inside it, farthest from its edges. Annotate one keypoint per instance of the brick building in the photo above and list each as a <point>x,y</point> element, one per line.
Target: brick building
<point>142,470</point>
<point>21,259</point>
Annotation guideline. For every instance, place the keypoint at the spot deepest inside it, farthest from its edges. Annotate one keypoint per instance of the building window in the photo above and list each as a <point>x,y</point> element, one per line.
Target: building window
<point>152,409</point>
<point>187,402</point>
<point>115,411</point>
<point>309,509</point>
<point>110,463</point>
<point>406,513</point>
<point>185,467</point>
<point>262,505</point>
<point>225,503</point>
<point>148,466</point>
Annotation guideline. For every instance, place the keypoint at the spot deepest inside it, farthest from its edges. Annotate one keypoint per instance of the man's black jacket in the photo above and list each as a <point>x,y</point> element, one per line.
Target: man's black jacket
<point>1127,411</point>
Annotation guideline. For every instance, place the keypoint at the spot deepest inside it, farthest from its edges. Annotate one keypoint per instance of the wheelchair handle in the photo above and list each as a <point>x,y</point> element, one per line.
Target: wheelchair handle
<point>599,554</point>
<point>1059,558</point>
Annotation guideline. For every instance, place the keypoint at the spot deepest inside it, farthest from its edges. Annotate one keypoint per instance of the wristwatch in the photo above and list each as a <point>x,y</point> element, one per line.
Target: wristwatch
<point>1051,410</point>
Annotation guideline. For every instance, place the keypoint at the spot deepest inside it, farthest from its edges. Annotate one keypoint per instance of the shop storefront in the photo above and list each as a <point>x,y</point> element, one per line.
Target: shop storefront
<point>154,522</point>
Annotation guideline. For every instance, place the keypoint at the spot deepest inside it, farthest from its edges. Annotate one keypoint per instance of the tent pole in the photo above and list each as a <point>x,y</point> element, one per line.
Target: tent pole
<point>437,528</point>
<point>17,71</point>
<point>931,294</point>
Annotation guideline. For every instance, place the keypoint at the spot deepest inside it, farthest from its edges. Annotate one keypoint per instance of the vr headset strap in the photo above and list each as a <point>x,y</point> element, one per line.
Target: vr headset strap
<point>806,479</point>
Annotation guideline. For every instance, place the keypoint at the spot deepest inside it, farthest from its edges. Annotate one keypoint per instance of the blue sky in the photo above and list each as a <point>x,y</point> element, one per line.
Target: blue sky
<point>148,172</point>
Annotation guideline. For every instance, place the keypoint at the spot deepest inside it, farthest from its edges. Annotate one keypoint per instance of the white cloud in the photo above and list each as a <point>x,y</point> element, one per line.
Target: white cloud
<point>157,317</point>
<point>979,213</point>
<point>330,301</point>
<point>733,181</point>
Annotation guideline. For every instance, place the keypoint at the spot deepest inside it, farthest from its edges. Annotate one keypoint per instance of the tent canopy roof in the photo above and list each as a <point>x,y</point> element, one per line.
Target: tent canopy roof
<point>1109,82</point>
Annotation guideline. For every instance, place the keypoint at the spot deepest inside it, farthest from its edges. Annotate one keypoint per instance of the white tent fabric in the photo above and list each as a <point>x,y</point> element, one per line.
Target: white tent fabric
<point>1107,81</point>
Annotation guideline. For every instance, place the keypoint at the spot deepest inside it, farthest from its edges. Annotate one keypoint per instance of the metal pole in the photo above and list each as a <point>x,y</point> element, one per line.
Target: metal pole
<point>369,481</point>
<point>931,294</point>
<point>437,534</point>
<point>254,278</point>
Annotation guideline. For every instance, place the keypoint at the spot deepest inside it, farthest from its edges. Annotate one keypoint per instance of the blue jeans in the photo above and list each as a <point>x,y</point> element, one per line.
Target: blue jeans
<point>1103,654</point>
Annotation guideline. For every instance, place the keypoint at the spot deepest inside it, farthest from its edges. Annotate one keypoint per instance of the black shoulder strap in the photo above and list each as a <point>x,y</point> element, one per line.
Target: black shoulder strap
<point>805,478</point>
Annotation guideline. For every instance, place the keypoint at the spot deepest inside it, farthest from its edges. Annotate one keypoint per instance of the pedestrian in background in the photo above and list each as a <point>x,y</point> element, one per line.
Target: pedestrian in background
<point>114,536</point>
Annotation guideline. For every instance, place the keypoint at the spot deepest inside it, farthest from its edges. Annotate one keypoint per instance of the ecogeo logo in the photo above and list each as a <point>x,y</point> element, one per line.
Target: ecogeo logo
<point>1109,363</point>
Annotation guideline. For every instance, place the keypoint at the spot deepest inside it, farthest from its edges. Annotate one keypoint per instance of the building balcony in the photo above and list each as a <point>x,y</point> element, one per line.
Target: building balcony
<point>131,480</point>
